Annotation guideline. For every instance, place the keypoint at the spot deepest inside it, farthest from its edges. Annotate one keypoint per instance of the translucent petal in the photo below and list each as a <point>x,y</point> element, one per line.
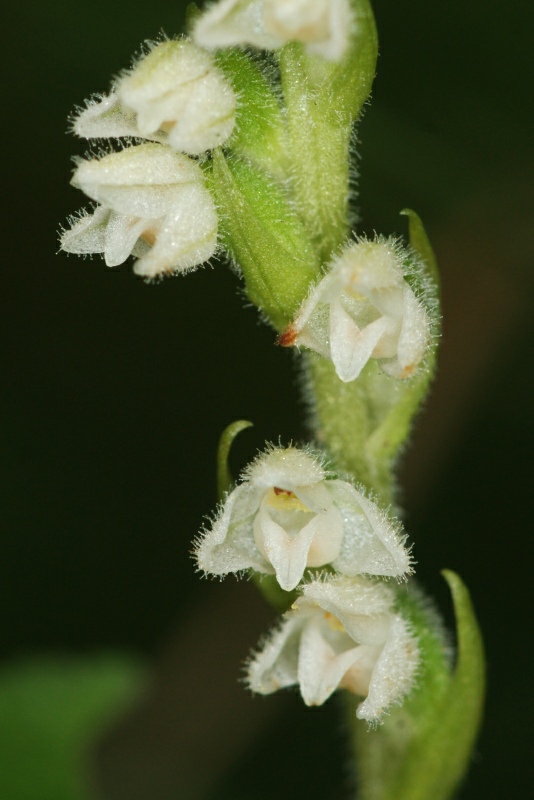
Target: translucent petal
<point>276,665</point>
<point>371,543</point>
<point>394,671</point>
<point>88,234</point>
<point>105,119</point>
<point>287,468</point>
<point>187,237</point>
<point>229,547</point>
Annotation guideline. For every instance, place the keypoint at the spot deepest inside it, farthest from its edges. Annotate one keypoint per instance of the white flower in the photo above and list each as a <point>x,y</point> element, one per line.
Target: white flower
<point>341,633</point>
<point>324,26</point>
<point>286,516</point>
<point>174,95</point>
<point>363,308</point>
<point>153,204</point>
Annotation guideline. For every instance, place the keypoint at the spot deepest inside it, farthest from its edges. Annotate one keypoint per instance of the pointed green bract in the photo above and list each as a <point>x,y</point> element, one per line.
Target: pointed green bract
<point>260,133</point>
<point>323,99</point>
<point>263,234</point>
<point>423,748</point>
<point>225,481</point>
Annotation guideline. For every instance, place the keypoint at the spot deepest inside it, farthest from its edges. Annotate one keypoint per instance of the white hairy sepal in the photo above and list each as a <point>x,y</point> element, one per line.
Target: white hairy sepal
<point>154,204</point>
<point>323,26</point>
<point>175,95</point>
<point>287,516</point>
<point>364,308</point>
<point>341,633</point>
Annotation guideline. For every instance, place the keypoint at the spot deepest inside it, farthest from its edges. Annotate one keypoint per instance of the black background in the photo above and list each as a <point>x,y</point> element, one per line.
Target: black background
<point>115,392</point>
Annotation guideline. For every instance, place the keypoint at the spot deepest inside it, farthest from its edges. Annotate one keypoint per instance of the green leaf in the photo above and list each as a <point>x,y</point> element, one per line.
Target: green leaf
<point>225,481</point>
<point>51,710</point>
<point>260,134</point>
<point>265,237</point>
<point>422,750</point>
<point>323,99</point>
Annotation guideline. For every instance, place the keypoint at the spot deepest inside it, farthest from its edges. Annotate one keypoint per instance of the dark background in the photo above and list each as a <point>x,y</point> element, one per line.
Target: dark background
<point>115,393</point>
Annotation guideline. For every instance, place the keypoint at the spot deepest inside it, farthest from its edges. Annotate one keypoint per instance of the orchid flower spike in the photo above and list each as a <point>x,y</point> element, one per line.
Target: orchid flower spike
<point>153,204</point>
<point>364,308</point>
<point>287,516</point>
<point>340,633</point>
<point>323,26</point>
<point>175,95</point>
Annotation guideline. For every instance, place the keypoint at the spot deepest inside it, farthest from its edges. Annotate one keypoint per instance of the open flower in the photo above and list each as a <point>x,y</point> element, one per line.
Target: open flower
<point>153,204</point>
<point>341,633</point>
<point>286,516</point>
<point>324,26</point>
<point>175,95</point>
<point>363,308</point>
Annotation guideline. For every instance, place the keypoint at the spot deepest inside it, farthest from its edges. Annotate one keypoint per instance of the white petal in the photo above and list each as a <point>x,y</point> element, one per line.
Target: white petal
<point>122,234</point>
<point>187,237</point>
<point>350,347</point>
<point>208,116</point>
<point>363,607</point>
<point>323,25</point>
<point>105,119</point>
<point>320,668</point>
<point>88,234</point>
<point>178,88</point>
<point>394,671</point>
<point>230,547</point>
<point>288,468</point>
<point>276,666</point>
<point>414,336</point>
<point>371,542</point>
<point>287,555</point>
<point>142,181</point>
<point>232,22</point>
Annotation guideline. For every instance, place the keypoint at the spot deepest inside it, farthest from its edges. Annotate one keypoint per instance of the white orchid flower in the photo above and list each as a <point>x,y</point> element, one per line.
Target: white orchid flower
<point>286,516</point>
<point>340,633</point>
<point>175,95</point>
<point>323,26</point>
<point>153,204</point>
<point>364,308</point>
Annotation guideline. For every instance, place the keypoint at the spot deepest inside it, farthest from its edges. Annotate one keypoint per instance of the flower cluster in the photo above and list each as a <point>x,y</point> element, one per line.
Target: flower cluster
<point>287,516</point>
<point>153,201</point>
